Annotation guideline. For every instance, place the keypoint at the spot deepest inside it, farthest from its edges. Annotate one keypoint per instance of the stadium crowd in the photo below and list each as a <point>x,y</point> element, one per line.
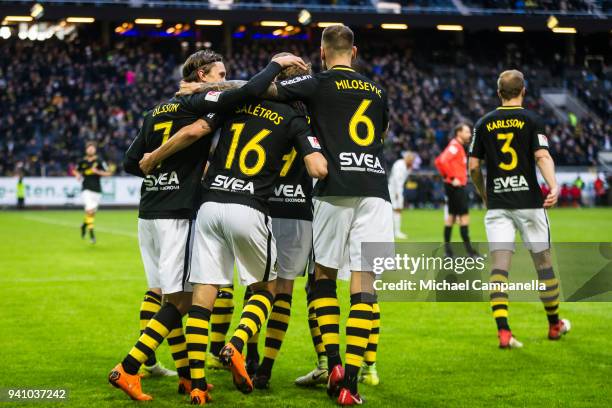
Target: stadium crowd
<point>57,95</point>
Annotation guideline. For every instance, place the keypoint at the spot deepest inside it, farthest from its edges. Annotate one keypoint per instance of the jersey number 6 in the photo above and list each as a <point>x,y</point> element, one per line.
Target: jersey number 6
<point>360,117</point>
<point>251,146</point>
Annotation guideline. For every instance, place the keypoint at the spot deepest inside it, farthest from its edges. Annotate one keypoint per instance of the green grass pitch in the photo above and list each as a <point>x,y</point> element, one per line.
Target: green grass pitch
<point>70,312</point>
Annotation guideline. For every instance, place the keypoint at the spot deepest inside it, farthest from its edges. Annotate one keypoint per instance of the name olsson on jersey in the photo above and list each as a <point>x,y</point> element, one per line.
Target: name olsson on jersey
<point>162,182</point>
<point>351,161</point>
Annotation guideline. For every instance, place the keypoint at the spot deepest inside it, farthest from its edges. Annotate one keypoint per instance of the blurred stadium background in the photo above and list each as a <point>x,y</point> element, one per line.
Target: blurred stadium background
<point>84,70</point>
<point>74,71</point>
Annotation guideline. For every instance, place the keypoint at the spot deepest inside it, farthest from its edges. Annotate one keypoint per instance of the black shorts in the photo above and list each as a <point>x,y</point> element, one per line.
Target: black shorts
<point>456,199</point>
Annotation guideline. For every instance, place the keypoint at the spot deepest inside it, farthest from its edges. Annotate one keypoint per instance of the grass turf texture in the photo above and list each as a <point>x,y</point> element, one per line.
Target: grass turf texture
<point>70,313</point>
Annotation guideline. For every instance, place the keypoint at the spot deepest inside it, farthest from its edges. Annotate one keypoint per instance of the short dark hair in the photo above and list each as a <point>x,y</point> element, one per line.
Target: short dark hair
<point>338,39</point>
<point>458,127</point>
<point>204,60</point>
<point>291,71</point>
<point>510,84</point>
<point>91,143</point>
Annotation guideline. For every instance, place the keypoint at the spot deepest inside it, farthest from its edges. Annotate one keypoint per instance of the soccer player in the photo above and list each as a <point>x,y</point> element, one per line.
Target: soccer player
<point>352,205</point>
<point>168,199</point>
<point>397,179</point>
<point>512,142</point>
<point>89,170</point>
<point>291,212</point>
<point>452,165</point>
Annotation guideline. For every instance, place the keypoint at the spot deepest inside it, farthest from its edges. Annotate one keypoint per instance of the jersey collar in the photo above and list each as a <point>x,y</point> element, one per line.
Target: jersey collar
<point>509,107</point>
<point>342,68</point>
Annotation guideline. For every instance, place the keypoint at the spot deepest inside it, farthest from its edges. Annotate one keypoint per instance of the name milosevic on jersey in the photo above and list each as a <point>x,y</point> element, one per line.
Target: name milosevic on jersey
<point>349,116</point>
<point>506,139</point>
<point>256,145</point>
<point>173,189</point>
<point>91,181</point>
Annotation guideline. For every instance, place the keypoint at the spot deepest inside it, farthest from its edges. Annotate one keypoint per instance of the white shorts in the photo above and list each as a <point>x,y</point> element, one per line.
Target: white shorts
<point>91,200</point>
<point>225,233</point>
<point>532,223</point>
<point>342,224</point>
<point>397,198</point>
<point>165,247</point>
<point>293,246</point>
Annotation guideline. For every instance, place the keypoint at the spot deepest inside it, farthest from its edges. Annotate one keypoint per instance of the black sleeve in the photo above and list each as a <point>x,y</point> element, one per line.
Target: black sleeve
<point>476,147</point>
<point>538,135</point>
<point>385,112</point>
<point>135,152</point>
<point>214,101</point>
<point>300,88</point>
<point>302,137</point>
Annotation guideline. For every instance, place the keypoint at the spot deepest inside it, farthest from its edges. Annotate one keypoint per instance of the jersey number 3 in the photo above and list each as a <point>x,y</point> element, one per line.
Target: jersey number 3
<point>251,146</point>
<point>507,148</point>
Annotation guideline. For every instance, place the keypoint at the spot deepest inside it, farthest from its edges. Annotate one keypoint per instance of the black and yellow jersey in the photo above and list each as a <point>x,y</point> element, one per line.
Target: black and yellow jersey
<point>292,194</point>
<point>349,116</point>
<point>172,190</point>
<point>91,181</point>
<point>254,147</point>
<point>506,139</point>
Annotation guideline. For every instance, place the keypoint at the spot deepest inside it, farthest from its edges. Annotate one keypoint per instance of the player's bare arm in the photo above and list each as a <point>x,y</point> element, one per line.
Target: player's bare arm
<point>190,88</point>
<point>547,167</point>
<point>182,139</point>
<point>316,165</point>
<point>478,178</point>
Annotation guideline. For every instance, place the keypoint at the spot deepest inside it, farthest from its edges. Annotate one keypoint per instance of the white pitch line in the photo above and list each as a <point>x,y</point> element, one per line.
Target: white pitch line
<point>69,280</point>
<point>51,221</point>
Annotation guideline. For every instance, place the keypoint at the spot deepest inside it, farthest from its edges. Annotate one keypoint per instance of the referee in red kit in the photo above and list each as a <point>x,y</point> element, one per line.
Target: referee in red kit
<point>452,165</point>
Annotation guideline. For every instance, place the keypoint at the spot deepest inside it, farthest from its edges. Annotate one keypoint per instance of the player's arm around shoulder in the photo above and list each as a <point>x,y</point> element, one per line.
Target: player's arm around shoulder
<point>185,137</point>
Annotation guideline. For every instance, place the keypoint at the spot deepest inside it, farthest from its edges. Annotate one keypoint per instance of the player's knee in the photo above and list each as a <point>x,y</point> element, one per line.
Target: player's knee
<point>323,272</point>
<point>204,295</point>
<point>284,286</point>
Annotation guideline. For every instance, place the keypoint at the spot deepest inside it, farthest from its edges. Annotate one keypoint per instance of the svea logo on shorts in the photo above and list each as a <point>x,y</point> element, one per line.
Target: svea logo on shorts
<point>226,183</point>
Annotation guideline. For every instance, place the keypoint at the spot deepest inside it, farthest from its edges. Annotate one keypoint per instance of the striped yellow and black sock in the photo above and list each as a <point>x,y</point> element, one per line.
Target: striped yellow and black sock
<point>178,348</point>
<point>275,331</point>
<point>315,333</point>
<point>89,221</point>
<point>253,316</point>
<point>149,306</point>
<point>327,307</point>
<point>196,332</point>
<point>221,319</point>
<point>370,355</point>
<point>156,331</point>
<point>550,296</point>
<point>499,300</point>
<point>252,353</point>
<point>358,328</point>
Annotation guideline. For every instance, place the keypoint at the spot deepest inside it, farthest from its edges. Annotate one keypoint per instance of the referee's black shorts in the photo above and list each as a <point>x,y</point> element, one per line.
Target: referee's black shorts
<point>456,199</point>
